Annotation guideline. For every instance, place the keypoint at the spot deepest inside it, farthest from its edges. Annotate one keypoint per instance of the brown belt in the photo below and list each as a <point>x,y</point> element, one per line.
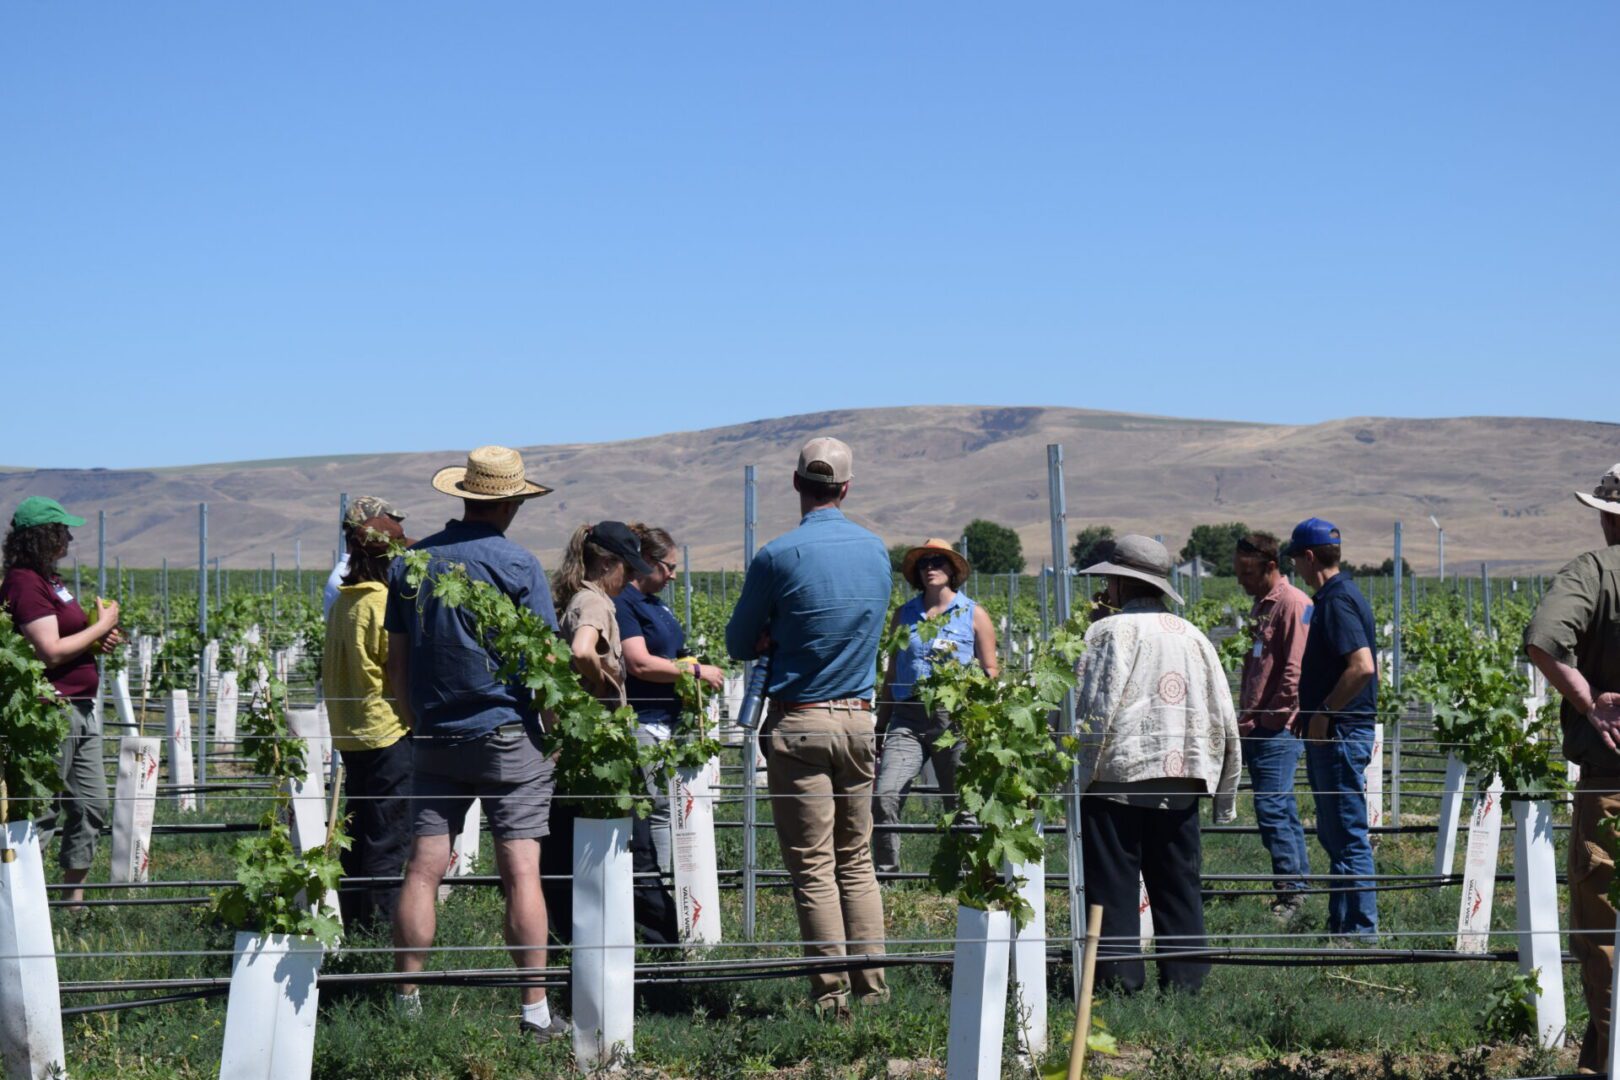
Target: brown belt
<point>839,703</point>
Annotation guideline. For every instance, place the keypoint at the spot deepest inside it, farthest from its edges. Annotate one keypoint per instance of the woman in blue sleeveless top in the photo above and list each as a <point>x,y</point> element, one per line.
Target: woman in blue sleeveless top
<point>936,570</point>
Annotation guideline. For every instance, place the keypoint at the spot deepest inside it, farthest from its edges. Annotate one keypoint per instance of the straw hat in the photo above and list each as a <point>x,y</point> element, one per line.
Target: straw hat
<point>932,546</point>
<point>492,473</point>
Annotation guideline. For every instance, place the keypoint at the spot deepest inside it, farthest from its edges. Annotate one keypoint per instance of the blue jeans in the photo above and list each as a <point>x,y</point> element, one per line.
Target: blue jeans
<point>1336,769</point>
<point>1272,758</point>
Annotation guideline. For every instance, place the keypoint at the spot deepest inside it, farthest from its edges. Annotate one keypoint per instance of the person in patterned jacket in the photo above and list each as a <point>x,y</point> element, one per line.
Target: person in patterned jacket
<point>1156,733</point>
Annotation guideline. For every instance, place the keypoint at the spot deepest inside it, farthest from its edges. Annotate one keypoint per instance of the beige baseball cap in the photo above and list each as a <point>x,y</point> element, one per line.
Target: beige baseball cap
<point>825,461</point>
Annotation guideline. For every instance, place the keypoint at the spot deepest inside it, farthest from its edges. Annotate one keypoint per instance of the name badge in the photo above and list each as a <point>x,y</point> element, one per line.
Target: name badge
<point>1256,651</point>
<point>63,595</point>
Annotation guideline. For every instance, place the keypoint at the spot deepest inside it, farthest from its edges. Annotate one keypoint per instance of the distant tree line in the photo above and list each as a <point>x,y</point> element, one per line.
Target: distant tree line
<point>993,548</point>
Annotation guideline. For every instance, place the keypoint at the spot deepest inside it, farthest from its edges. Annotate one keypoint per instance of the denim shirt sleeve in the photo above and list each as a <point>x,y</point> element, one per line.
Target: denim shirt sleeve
<point>753,611</point>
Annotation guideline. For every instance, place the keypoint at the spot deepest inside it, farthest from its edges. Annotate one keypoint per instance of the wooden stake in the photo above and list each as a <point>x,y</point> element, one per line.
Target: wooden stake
<point>332,814</point>
<point>1088,979</point>
<point>8,853</point>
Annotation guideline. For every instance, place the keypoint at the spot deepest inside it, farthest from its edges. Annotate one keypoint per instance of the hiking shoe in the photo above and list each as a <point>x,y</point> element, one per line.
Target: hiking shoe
<point>1286,907</point>
<point>834,1010</point>
<point>558,1028</point>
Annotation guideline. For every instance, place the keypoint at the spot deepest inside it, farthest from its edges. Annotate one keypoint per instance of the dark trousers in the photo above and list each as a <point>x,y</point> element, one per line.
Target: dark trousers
<point>557,869</point>
<point>377,786</point>
<point>1161,848</point>
<point>654,905</point>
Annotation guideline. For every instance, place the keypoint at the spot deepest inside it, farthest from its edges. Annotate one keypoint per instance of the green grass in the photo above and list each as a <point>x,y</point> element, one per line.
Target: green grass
<point>1425,1017</point>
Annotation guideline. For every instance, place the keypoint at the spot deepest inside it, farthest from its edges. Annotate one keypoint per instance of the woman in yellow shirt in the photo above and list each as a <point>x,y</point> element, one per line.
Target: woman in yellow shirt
<point>366,729</point>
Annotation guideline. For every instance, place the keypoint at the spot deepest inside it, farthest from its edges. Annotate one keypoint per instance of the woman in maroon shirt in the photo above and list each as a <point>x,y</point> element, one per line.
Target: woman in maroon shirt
<point>49,617</point>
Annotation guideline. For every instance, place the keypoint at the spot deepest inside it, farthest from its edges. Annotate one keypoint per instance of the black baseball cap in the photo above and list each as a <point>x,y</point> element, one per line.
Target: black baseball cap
<point>621,540</point>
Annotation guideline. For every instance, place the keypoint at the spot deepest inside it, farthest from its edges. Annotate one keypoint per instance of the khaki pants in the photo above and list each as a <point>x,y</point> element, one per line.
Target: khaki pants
<point>1590,869</point>
<point>820,768</point>
<point>81,809</point>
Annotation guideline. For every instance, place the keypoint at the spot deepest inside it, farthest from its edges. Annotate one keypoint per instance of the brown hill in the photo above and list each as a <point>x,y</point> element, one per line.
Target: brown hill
<point>1500,486</point>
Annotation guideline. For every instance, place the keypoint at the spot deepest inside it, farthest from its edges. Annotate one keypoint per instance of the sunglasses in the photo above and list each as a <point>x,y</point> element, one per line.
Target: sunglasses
<point>933,562</point>
<point>668,566</point>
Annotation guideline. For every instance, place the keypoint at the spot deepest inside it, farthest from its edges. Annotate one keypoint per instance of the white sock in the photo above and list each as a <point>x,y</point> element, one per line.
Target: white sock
<point>409,1004</point>
<point>538,1014</point>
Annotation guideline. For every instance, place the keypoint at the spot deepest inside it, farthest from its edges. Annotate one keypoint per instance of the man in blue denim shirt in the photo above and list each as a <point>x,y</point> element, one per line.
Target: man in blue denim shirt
<point>813,607</point>
<point>473,737</point>
<point>1338,702</point>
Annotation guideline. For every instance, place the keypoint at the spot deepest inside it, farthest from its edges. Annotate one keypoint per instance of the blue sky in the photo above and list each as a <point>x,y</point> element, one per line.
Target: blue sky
<point>235,231</point>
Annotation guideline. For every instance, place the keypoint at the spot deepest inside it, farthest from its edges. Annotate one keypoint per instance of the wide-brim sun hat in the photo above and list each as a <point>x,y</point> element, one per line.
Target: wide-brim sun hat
<point>492,474</point>
<point>932,546</point>
<point>1606,496</point>
<point>1139,557</point>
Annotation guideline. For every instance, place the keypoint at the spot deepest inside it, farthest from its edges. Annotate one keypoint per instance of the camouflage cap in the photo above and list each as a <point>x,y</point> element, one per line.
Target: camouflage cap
<point>363,507</point>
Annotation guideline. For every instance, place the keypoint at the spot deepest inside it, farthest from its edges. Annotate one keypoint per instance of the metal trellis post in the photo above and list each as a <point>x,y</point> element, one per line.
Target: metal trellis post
<point>1395,681</point>
<point>1076,859</point>
<point>1046,612</point>
<point>1485,592</point>
<point>202,666</point>
<point>686,583</point>
<point>101,590</point>
<point>1395,644</point>
<point>750,750</point>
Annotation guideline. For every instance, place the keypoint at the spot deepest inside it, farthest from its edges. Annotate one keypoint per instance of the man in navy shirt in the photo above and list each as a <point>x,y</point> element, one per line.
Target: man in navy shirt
<point>472,736</point>
<point>1338,703</point>
<point>814,604</point>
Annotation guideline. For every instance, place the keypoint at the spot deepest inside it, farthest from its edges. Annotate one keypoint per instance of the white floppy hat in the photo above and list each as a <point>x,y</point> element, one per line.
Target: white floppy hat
<point>1606,496</point>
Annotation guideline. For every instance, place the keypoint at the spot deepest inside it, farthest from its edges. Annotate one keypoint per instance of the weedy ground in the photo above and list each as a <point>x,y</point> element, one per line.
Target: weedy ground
<point>1331,1022</point>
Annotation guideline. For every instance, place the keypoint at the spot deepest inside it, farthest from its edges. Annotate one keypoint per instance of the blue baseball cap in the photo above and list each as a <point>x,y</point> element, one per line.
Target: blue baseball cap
<point>1311,532</point>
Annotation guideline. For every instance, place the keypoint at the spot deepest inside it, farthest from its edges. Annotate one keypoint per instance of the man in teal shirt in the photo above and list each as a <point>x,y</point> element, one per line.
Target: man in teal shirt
<point>812,607</point>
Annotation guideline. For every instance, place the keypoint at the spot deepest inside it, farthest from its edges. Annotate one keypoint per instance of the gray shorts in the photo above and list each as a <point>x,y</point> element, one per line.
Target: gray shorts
<point>505,770</point>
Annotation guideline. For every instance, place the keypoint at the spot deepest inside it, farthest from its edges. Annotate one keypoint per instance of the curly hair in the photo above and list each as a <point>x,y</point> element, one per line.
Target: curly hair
<point>35,547</point>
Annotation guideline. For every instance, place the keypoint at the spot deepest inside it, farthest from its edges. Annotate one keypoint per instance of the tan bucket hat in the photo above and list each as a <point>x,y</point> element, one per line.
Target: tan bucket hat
<point>1139,557</point>
<point>492,473</point>
<point>1606,496</point>
<point>932,546</point>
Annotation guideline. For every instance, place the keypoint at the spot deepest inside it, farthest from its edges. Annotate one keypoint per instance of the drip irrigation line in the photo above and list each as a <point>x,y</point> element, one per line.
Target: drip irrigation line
<point>846,960</point>
<point>1053,880</point>
<point>141,1003</point>
<point>133,901</point>
<point>181,828</point>
<point>181,990</point>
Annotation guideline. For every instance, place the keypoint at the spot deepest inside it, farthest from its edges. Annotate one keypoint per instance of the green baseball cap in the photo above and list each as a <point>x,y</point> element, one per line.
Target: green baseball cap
<point>38,510</point>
